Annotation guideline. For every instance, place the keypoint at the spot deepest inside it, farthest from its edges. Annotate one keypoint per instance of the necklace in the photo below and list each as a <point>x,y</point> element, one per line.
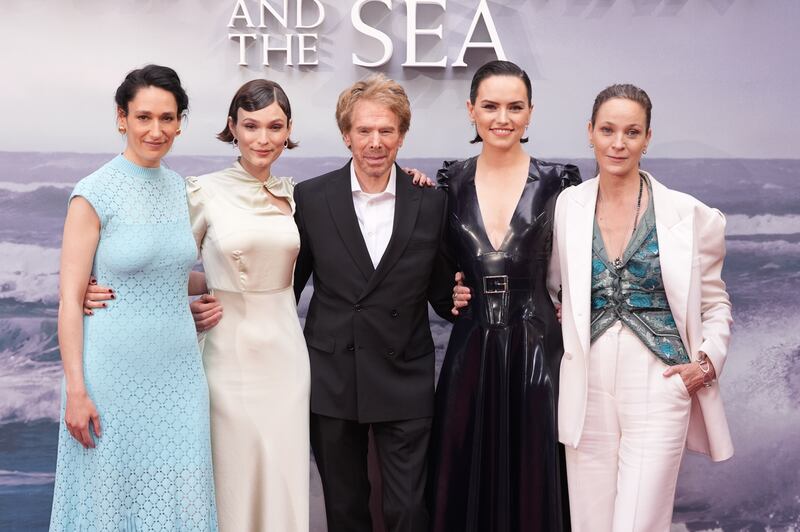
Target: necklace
<point>617,263</point>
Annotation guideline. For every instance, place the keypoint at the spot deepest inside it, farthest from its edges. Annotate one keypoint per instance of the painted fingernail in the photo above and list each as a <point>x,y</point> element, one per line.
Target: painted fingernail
<point>113,296</point>
<point>93,281</point>
<point>104,305</point>
<point>110,291</point>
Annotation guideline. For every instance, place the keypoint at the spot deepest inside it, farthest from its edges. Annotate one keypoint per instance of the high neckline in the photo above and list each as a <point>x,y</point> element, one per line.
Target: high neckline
<point>269,183</point>
<point>131,168</point>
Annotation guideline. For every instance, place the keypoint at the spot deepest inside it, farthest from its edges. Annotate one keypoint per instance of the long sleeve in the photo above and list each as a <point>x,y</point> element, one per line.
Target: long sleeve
<point>305,262</point>
<point>715,305</point>
<point>443,275</point>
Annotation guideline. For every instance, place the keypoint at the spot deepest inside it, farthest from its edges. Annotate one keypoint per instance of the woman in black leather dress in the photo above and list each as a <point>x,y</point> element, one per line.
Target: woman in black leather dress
<point>495,461</point>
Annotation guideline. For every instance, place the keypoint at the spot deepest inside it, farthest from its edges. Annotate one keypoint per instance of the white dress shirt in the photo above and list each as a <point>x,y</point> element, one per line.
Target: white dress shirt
<point>375,213</point>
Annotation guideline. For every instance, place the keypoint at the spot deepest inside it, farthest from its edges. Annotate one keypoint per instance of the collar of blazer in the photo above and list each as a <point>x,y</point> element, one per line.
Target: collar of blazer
<point>406,208</point>
<point>675,242</point>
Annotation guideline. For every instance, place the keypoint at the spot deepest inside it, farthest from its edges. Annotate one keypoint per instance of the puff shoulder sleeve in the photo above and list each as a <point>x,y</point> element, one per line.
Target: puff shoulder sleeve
<point>197,210</point>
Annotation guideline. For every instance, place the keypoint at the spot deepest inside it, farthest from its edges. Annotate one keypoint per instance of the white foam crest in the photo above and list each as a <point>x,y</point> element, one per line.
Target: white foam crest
<point>24,478</point>
<point>766,247</point>
<point>31,387</point>
<point>35,185</point>
<point>29,273</point>
<point>762,224</point>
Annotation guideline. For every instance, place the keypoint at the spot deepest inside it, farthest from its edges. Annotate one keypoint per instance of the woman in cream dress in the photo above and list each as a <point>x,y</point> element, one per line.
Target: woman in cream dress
<point>255,359</point>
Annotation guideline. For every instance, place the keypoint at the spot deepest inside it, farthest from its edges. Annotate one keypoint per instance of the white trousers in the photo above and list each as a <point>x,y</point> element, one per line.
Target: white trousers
<point>623,474</point>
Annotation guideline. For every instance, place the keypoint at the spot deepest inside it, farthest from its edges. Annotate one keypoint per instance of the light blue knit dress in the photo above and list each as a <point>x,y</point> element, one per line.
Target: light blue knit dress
<point>151,469</point>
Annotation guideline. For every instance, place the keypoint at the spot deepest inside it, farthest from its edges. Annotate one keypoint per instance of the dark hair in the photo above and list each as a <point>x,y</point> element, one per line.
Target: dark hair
<point>254,96</point>
<point>626,91</point>
<point>151,76</point>
<point>498,68</point>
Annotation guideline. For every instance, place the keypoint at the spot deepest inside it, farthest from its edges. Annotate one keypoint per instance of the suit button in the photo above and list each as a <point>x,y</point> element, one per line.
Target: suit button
<point>351,347</point>
<point>390,353</point>
<point>395,313</point>
<point>357,307</point>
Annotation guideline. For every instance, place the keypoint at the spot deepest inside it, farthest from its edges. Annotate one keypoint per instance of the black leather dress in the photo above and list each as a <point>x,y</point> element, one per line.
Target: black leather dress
<point>495,462</point>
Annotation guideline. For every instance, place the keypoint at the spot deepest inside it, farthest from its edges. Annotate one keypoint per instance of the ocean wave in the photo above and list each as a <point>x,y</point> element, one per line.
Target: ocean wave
<point>31,187</point>
<point>762,224</point>
<point>30,370</point>
<point>764,247</point>
<point>24,478</point>
<point>29,273</point>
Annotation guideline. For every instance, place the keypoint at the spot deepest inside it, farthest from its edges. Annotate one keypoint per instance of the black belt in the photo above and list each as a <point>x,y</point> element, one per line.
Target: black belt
<point>500,284</point>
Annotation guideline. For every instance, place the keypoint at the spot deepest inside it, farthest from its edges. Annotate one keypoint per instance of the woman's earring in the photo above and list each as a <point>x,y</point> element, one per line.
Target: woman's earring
<point>177,131</point>
<point>286,143</point>
<point>121,129</point>
<point>591,145</point>
<point>644,151</point>
<point>235,142</point>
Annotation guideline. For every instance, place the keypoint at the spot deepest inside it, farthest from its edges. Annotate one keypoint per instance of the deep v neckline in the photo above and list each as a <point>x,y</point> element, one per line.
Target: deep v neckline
<point>514,213</point>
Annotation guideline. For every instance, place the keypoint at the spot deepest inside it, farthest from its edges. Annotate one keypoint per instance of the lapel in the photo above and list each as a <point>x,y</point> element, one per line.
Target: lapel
<point>406,208</point>
<point>340,202</point>
<point>675,243</point>
<point>579,222</point>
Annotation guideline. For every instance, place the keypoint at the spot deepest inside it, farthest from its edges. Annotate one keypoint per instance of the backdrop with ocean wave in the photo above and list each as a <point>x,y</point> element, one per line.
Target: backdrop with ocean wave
<point>758,489</point>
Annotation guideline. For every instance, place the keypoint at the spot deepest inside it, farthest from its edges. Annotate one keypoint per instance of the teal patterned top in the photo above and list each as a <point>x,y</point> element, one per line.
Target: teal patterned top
<point>634,293</point>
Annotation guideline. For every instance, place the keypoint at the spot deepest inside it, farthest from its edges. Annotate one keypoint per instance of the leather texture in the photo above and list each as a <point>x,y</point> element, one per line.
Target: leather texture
<point>495,462</point>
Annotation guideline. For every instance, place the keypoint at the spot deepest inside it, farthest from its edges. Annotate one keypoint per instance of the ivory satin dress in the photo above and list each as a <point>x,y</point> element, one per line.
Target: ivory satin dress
<point>255,359</point>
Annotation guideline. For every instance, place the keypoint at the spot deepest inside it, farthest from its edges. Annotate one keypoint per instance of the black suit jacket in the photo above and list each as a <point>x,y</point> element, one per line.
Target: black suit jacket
<point>367,330</point>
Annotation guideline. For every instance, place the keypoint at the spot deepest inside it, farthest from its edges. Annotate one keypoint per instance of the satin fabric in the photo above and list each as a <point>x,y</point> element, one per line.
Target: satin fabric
<point>495,463</point>
<point>255,359</point>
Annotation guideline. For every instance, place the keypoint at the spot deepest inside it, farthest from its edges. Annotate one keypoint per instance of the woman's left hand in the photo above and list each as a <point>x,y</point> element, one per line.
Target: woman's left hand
<point>419,178</point>
<point>693,376</point>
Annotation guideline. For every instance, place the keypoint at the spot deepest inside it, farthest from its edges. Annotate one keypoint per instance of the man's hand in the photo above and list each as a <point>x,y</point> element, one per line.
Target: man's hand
<point>96,296</point>
<point>206,311</point>
<point>461,294</point>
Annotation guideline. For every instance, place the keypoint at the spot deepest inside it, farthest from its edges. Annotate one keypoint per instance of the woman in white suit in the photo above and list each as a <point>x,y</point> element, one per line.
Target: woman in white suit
<point>646,323</point>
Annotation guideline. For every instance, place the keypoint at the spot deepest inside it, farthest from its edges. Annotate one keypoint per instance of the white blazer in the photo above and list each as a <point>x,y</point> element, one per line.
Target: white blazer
<point>691,240</point>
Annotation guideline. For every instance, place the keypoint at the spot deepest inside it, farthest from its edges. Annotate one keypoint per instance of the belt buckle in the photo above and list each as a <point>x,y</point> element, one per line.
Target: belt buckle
<point>495,284</point>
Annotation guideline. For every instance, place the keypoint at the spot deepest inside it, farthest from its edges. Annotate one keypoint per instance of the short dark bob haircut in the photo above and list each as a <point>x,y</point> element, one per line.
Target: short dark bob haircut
<point>253,96</point>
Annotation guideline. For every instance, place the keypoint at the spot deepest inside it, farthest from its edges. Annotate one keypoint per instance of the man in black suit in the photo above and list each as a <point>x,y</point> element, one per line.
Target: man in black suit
<point>372,241</point>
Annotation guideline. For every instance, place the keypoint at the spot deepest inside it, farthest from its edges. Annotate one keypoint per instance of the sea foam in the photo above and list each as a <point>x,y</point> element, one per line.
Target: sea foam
<point>29,273</point>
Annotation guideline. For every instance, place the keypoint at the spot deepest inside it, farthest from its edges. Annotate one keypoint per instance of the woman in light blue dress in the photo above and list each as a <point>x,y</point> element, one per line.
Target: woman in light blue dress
<point>134,448</point>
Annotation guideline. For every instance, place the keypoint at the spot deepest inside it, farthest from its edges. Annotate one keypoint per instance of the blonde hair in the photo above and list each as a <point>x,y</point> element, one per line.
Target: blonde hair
<point>376,88</point>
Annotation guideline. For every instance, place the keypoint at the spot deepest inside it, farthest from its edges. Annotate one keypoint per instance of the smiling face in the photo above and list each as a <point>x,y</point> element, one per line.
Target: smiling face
<point>261,136</point>
<point>620,137</point>
<point>374,139</point>
<point>501,111</point>
<point>151,123</point>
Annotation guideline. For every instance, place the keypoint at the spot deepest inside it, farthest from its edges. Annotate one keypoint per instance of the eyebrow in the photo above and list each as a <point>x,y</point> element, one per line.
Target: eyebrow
<point>486,100</point>
<point>609,122</point>
<point>150,113</point>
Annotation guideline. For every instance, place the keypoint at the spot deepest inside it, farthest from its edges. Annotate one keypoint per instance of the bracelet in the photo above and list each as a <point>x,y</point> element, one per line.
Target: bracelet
<point>704,360</point>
